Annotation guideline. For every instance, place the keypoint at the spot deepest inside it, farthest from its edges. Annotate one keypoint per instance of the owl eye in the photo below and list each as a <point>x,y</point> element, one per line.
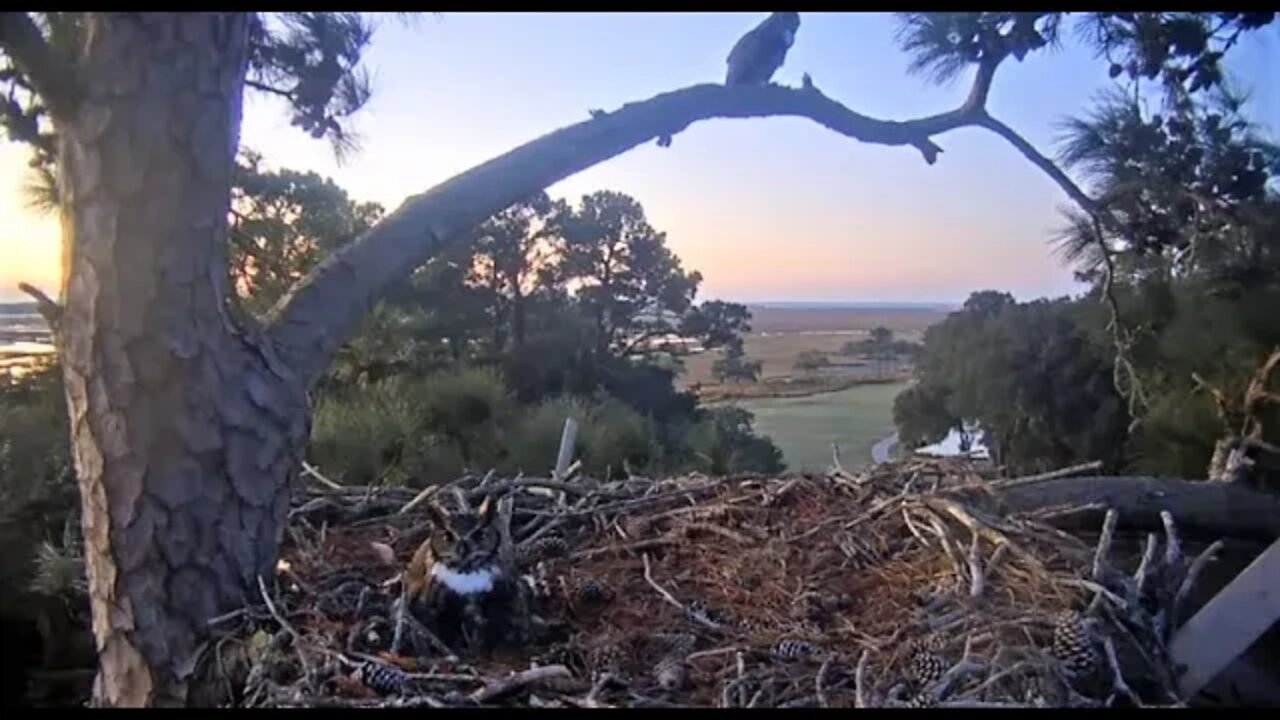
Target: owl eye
<point>441,545</point>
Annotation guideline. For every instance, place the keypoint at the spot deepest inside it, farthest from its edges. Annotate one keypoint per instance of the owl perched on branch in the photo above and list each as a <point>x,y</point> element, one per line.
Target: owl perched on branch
<point>759,54</point>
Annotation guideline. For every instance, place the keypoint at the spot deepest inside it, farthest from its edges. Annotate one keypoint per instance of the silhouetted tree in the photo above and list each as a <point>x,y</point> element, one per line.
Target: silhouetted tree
<point>283,223</point>
<point>628,281</point>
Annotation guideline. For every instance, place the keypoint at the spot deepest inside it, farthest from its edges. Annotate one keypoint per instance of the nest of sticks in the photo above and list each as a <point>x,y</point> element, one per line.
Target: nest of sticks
<point>900,586</point>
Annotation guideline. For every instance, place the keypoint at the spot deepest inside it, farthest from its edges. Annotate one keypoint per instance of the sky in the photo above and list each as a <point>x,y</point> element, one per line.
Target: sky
<point>776,209</point>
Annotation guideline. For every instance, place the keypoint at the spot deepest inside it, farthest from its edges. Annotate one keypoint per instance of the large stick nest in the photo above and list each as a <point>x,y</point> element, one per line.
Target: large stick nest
<point>899,586</point>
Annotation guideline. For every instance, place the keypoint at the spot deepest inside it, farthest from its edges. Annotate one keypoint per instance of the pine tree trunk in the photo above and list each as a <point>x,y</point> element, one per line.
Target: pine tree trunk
<point>184,432</point>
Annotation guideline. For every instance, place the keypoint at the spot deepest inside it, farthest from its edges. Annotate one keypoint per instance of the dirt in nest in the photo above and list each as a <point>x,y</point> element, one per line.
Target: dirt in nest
<point>827,590</point>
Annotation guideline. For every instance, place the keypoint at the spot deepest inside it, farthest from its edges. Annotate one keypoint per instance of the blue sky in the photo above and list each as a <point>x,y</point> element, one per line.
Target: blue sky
<point>773,209</point>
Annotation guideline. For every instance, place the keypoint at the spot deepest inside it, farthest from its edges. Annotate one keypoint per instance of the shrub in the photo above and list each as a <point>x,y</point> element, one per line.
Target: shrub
<point>723,442</point>
<point>467,406</point>
<point>534,438</point>
<point>616,439</point>
<point>611,437</point>
<point>811,360</point>
<point>368,434</point>
<point>39,498</point>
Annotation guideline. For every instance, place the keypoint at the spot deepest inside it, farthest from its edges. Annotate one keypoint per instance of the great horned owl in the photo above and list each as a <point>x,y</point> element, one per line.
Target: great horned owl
<point>759,54</point>
<point>460,584</point>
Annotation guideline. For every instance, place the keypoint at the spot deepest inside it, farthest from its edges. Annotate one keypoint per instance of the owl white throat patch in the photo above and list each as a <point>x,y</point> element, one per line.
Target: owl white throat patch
<point>466,583</point>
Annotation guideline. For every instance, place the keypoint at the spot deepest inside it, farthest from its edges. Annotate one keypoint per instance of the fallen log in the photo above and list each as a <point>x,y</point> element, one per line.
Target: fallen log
<point>1203,509</point>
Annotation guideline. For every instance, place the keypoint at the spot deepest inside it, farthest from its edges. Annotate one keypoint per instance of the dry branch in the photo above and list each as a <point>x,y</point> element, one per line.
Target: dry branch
<point>1209,510</point>
<point>50,310</point>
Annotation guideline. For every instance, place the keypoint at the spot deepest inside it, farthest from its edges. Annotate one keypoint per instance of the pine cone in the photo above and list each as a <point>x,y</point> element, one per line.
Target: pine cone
<point>788,649</point>
<point>929,644</point>
<point>671,673</point>
<point>589,591</point>
<point>606,659</point>
<point>544,548</point>
<point>383,679</point>
<point>700,613</point>
<point>926,668</point>
<point>1073,645</point>
<point>674,643</point>
<point>922,700</point>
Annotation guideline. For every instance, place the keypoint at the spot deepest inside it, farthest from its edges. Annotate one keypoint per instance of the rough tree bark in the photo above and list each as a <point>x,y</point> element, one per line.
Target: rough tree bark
<point>188,423</point>
<point>184,432</point>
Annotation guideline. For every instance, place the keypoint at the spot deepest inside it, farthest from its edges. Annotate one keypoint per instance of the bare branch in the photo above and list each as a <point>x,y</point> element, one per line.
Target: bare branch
<point>50,76</point>
<point>269,89</point>
<point>1046,165</point>
<point>50,310</point>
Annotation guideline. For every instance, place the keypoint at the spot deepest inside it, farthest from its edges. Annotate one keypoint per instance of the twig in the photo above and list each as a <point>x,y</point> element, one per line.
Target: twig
<point>742,672</point>
<point>860,680</point>
<point>1188,583</point>
<point>1172,548</point>
<point>517,681</point>
<point>420,498</point>
<point>309,470</point>
<point>1140,575</point>
<point>397,636</point>
<point>722,531</point>
<point>948,545</point>
<point>996,556</point>
<point>1058,512</point>
<point>227,616</point>
<point>911,527</point>
<point>572,488</point>
<point>712,652</point>
<point>1100,592</point>
<point>288,627</point>
<point>1117,679</point>
<point>976,577</point>
<point>648,576</point>
<point>1051,475</point>
<point>1103,550</point>
<point>818,681</point>
<point>596,688</point>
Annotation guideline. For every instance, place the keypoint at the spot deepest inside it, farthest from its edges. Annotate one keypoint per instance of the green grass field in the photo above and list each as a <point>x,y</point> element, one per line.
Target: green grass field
<point>805,427</point>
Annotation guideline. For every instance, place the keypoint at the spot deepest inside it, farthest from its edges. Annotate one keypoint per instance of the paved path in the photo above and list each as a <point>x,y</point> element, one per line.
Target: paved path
<point>881,451</point>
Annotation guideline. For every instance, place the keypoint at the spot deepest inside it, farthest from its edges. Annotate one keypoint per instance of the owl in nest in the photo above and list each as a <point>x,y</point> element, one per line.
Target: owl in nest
<point>464,585</point>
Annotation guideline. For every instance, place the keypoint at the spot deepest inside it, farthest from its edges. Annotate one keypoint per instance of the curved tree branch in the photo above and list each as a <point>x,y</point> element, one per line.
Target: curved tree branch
<point>50,76</point>
<point>311,322</point>
<point>316,317</point>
